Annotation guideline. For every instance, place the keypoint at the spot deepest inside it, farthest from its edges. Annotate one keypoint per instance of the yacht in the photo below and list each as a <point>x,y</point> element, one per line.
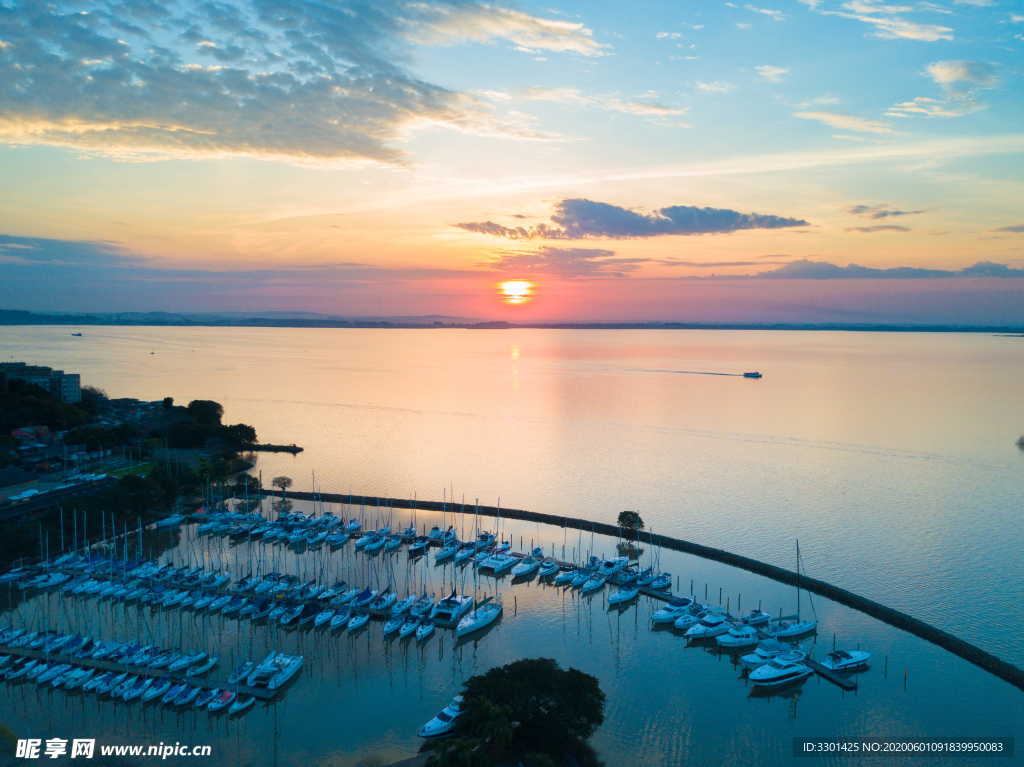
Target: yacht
<point>755,618</point>
<point>781,670</point>
<point>444,722</point>
<point>709,626</point>
<point>498,564</point>
<point>547,568</point>
<point>424,629</point>
<point>738,636</point>
<point>846,660</point>
<point>669,613</point>
<point>764,652</point>
<point>787,629</point>
<point>447,551</point>
<point>752,374</point>
<point>451,608</point>
<point>528,565</point>
<point>624,595</point>
<point>610,567</point>
<point>564,577</point>
<point>481,617</point>
<point>593,583</point>
<point>661,582</point>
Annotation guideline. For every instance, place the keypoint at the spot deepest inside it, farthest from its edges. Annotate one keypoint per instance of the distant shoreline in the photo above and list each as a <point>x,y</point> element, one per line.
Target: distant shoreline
<point>25,319</point>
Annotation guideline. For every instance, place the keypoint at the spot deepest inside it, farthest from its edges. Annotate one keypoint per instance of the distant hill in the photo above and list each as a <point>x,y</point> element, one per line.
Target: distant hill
<point>314,320</point>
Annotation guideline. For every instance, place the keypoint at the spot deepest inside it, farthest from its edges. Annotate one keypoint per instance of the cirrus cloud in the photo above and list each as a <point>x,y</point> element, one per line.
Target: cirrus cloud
<point>298,78</point>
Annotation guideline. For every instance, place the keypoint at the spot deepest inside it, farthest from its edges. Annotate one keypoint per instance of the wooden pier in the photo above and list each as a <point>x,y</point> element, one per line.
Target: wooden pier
<point>260,693</point>
<point>834,677</point>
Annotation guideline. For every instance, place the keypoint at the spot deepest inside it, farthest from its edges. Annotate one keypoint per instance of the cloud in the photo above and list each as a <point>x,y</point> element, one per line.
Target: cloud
<point>714,87</point>
<point>569,263</point>
<point>846,122</point>
<point>611,103</point>
<point>960,81</point>
<point>887,24</point>
<point>805,269</point>
<point>272,78</point>
<point>771,73</point>
<point>775,15</point>
<point>576,219</point>
<point>878,228</point>
<point>483,22</point>
<point>880,211</point>
<point>1016,228</point>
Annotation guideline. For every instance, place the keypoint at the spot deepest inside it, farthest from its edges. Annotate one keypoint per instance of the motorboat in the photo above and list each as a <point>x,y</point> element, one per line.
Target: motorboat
<point>781,670</point>
<point>738,636</point>
<point>710,625</point>
<point>784,628</point>
<point>624,595</point>
<point>452,608</point>
<point>846,660</point>
<point>764,652</point>
<point>445,720</point>
<point>481,617</point>
<point>670,612</point>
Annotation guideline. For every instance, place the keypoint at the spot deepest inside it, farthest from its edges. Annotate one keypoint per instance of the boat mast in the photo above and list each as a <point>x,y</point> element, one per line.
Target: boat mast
<point>798,579</point>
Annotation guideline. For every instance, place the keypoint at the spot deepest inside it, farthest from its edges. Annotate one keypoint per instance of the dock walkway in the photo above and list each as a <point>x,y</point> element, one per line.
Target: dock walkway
<point>260,693</point>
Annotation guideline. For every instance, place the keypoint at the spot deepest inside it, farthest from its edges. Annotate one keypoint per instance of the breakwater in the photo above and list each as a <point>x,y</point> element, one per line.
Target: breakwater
<point>969,652</point>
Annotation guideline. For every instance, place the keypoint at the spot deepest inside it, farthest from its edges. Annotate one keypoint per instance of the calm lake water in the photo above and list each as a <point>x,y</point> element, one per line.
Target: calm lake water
<point>890,456</point>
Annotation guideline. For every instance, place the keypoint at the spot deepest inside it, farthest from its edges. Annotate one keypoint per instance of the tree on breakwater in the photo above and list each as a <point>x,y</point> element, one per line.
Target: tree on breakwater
<point>530,712</point>
<point>283,483</point>
<point>631,523</point>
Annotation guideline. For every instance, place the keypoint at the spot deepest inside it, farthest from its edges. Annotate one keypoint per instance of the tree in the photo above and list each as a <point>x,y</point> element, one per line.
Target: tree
<point>530,711</point>
<point>631,523</point>
<point>168,403</point>
<point>282,482</point>
<point>239,434</point>
<point>206,412</point>
<point>93,398</point>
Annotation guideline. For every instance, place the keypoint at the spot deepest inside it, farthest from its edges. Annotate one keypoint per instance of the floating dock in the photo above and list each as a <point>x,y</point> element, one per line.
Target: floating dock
<point>260,693</point>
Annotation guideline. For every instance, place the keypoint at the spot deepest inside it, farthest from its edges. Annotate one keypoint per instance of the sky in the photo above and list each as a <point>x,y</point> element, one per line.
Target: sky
<point>696,160</point>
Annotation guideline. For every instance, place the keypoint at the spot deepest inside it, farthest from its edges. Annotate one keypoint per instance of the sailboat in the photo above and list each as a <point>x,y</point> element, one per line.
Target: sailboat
<point>791,626</point>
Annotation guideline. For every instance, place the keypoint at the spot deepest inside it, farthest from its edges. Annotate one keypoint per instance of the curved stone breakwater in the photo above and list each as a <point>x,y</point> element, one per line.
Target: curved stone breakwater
<point>986,660</point>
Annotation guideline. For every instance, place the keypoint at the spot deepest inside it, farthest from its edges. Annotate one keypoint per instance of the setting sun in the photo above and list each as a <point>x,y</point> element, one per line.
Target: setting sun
<point>516,291</point>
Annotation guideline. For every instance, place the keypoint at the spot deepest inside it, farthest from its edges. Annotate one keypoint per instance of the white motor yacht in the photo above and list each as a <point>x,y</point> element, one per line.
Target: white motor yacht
<point>444,722</point>
<point>709,626</point>
<point>782,670</point>
<point>738,636</point>
<point>846,660</point>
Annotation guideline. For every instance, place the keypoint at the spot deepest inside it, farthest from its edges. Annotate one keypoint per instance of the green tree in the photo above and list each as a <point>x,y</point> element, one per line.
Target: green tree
<point>206,412</point>
<point>239,434</point>
<point>168,403</point>
<point>282,482</point>
<point>530,711</point>
<point>631,523</point>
